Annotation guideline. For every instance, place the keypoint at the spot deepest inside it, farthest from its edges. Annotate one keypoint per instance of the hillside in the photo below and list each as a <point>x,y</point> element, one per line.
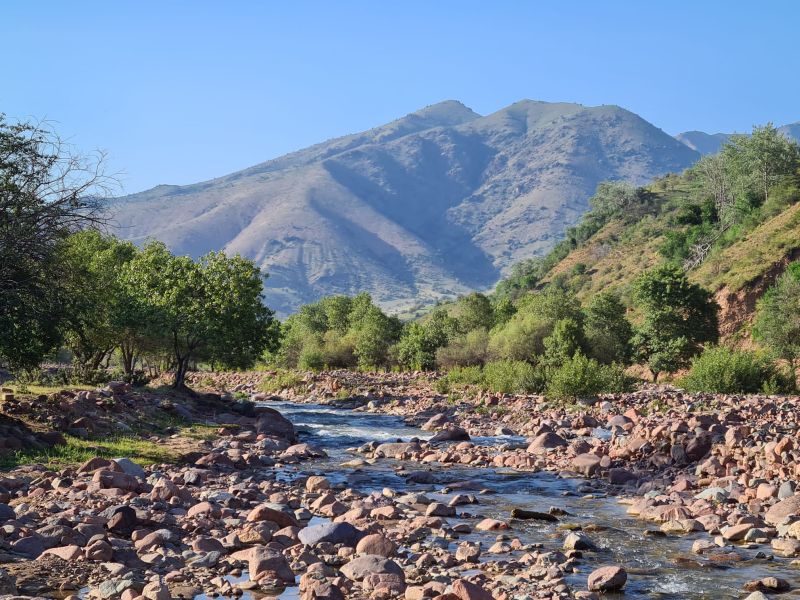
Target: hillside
<point>430,206</point>
<point>739,268</point>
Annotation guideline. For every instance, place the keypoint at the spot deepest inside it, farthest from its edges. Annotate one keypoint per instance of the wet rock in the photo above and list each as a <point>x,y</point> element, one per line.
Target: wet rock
<point>271,422</point>
<point>265,563</point>
<point>451,434</point>
<point>607,579</point>
<point>578,541</point>
<point>491,525</point>
<point>521,513</point>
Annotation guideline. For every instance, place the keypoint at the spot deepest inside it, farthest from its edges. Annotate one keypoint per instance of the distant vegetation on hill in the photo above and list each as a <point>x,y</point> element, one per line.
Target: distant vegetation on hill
<point>652,276</point>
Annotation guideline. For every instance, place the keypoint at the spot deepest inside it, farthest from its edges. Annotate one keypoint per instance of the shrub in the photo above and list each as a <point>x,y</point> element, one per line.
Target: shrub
<point>470,375</point>
<point>469,349</point>
<point>728,371</point>
<point>510,377</point>
<point>582,377</point>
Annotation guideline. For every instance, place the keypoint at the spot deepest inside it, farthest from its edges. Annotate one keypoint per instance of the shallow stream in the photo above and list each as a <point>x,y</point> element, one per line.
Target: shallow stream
<point>658,567</point>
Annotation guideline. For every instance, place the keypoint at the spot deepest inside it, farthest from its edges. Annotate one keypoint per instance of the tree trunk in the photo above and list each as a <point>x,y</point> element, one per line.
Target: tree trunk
<point>179,383</point>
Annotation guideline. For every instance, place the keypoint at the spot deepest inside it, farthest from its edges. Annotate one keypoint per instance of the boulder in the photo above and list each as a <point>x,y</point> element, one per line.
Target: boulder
<point>370,564</point>
<point>334,533</point>
<point>546,441</point>
<point>451,434</point>
<point>376,544</point>
<point>265,512</point>
<point>607,579</point>
<point>464,590</point>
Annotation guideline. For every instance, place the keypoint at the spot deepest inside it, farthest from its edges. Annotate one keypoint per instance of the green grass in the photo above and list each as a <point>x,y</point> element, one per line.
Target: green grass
<point>200,432</point>
<point>281,380</point>
<point>78,451</point>
<point>21,389</point>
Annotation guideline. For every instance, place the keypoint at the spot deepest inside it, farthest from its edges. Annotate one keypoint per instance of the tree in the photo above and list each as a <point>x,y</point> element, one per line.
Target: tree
<point>608,332</point>
<point>777,321</point>
<point>206,309</point>
<point>679,317</point>
<point>474,311</point>
<point>96,298</point>
<point>765,155</point>
<point>47,192</point>
<point>376,332</point>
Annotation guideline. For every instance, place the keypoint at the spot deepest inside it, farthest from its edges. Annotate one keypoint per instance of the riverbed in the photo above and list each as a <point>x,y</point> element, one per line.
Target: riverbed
<point>658,566</point>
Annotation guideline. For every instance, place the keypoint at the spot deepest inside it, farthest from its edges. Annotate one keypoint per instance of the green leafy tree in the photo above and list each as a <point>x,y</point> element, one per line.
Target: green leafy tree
<point>46,193</point>
<point>777,323</point>
<point>765,156</point>
<point>97,296</point>
<point>608,333</point>
<point>679,317</point>
<point>208,309</point>
<point>567,339</point>
<point>474,311</point>
<point>374,336</point>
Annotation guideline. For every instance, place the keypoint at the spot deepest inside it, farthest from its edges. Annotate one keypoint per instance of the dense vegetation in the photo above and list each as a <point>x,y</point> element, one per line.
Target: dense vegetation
<point>558,325</point>
<point>65,284</point>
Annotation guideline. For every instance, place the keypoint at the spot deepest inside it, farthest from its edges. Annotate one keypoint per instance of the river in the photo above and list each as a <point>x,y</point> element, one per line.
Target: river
<point>658,567</point>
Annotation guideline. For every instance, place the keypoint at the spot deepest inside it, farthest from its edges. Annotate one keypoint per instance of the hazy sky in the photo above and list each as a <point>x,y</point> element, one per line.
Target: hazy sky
<point>179,92</point>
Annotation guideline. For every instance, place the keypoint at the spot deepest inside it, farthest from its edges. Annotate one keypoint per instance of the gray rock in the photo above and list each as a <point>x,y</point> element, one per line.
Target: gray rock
<point>334,533</point>
<point>130,467</point>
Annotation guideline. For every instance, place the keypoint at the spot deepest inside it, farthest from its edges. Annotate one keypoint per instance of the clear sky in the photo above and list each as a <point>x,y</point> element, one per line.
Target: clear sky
<point>182,91</point>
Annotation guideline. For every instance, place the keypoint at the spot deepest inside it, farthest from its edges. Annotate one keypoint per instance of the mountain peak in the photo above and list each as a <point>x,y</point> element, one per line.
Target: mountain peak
<point>447,112</point>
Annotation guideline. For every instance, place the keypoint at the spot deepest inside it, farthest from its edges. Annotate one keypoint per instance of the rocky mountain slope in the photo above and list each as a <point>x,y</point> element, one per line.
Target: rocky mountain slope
<point>427,207</point>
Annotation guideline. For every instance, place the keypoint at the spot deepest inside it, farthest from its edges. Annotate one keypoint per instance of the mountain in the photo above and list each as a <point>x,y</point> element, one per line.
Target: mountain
<point>709,143</point>
<point>704,143</point>
<point>427,207</point>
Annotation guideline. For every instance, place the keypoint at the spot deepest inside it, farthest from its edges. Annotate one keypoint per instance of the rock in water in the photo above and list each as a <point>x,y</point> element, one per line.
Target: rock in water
<point>607,579</point>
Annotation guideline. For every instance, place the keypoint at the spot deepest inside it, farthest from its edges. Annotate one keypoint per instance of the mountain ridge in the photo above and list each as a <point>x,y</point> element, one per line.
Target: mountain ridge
<point>429,206</point>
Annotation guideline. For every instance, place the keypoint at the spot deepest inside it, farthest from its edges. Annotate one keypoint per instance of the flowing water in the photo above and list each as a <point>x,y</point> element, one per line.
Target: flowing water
<point>658,567</point>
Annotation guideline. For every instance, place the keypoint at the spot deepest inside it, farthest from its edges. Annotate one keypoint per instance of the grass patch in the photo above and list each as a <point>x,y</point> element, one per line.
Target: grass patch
<point>200,432</point>
<point>30,389</point>
<point>281,380</point>
<point>78,451</point>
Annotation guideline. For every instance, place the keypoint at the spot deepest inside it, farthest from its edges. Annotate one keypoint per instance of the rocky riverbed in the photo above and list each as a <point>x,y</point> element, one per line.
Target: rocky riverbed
<point>375,486</point>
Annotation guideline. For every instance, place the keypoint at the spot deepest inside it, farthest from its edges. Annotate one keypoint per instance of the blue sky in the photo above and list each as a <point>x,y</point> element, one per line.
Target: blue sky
<point>180,91</point>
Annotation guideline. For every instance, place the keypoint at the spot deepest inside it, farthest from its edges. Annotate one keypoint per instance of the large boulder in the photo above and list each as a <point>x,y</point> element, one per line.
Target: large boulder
<point>271,422</point>
<point>334,533</point>
<point>607,579</point>
<point>451,434</point>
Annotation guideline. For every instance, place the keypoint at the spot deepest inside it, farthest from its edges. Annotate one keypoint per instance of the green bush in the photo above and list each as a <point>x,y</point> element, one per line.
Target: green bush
<point>582,377</point>
<point>728,371</point>
<point>512,377</point>
<point>470,375</point>
<point>464,350</point>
